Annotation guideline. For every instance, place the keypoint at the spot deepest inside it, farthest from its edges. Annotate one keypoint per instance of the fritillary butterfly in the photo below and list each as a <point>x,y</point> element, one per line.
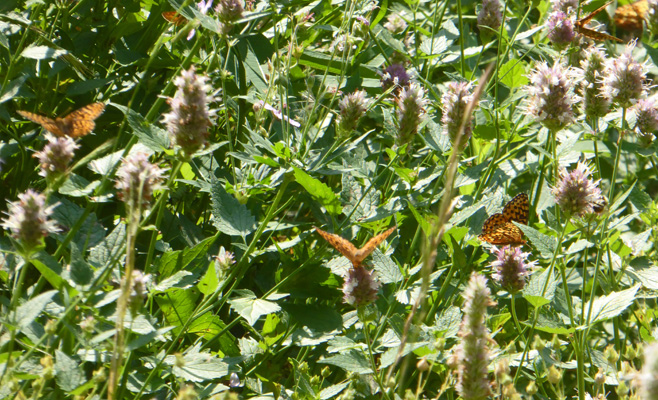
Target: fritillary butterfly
<point>356,256</point>
<point>78,123</point>
<point>174,17</point>
<point>498,229</point>
<point>591,33</point>
<point>630,17</point>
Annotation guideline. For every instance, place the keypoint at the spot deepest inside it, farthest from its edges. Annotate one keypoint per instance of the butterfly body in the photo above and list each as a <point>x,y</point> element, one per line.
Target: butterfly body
<point>499,228</point>
<point>356,256</point>
<point>76,124</point>
<point>591,33</point>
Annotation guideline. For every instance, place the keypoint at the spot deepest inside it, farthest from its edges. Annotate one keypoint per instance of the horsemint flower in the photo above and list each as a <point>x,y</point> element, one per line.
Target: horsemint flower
<point>136,180</point>
<point>351,108</point>
<point>454,102</point>
<point>595,104</point>
<point>28,219</point>
<point>625,80</point>
<point>560,29</point>
<point>551,95</point>
<point>472,353</point>
<point>575,193</point>
<point>646,116</point>
<point>56,155</point>
<point>395,75</point>
<point>410,110</point>
<point>648,377</point>
<point>490,14</point>
<point>360,287</point>
<point>228,11</point>
<point>511,267</point>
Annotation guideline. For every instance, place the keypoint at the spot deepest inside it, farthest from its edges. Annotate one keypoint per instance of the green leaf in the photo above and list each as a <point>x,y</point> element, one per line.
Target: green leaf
<point>513,73</point>
<point>319,191</point>
<point>49,268</point>
<point>544,243</point>
<point>179,280</point>
<point>350,361</point>
<point>534,291</point>
<point>27,312</point>
<point>230,216</point>
<point>252,308</point>
<point>550,324</point>
<point>67,372</point>
<point>198,366</point>
<point>609,306</point>
<point>148,134</point>
<point>108,249</point>
<point>12,88</point>
<point>42,52</point>
<point>357,204</point>
<point>189,259</point>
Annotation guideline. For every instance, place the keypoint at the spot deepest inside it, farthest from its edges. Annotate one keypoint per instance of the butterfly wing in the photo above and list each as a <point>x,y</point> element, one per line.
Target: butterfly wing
<point>339,243</point>
<point>596,35</point>
<point>517,209</point>
<point>46,123</point>
<point>630,17</point>
<point>505,234</point>
<point>174,17</point>
<point>370,246</point>
<point>81,121</point>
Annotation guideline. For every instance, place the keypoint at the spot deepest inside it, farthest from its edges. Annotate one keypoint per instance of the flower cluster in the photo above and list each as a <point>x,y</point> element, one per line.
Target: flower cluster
<point>56,155</point>
<point>652,15</point>
<point>472,353</point>
<point>560,29</point>
<point>351,109</point>
<point>566,6</point>
<point>552,97</point>
<point>646,116</point>
<point>624,81</point>
<point>593,66</point>
<point>454,102</point>
<point>511,267</point>
<point>490,14</point>
<point>137,178</point>
<point>360,287</point>
<point>395,23</point>
<point>648,377</point>
<point>228,11</point>
<point>190,115</point>
<point>395,75</point>
<point>29,220</point>
<point>410,109</point>
<point>576,193</point>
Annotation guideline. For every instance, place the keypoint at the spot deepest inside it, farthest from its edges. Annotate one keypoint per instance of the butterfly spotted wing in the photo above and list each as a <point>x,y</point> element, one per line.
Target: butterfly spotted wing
<point>591,33</point>
<point>77,124</point>
<point>499,229</point>
<point>356,256</point>
<point>630,17</point>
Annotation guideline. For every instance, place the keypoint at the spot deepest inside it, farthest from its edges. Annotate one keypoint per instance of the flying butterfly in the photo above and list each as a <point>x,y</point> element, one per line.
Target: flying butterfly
<point>76,124</point>
<point>356,256</point>
<point>174,17</point>
<point>630,17</point>
<point>498,229</point>
<point>591,33</point>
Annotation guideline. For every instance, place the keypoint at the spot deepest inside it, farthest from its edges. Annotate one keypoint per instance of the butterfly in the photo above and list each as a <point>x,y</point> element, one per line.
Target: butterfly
<point>630,17</point>
<point>498,229</point>
<point>174,17</point>
<point>356,256</point>
<point>591,33</point>
<point>77,124</point>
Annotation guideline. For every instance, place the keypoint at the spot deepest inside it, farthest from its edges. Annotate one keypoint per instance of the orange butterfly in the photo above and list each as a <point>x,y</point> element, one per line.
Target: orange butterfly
<point>174,17</point>
<point>77,124</point>
<point>591,33</point>
<point>630,17</point>
<point>356,256</point>
<point>498,229</point>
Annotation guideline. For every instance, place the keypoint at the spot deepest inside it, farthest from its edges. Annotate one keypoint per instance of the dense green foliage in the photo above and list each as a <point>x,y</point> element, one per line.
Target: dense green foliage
<point>283,155</point>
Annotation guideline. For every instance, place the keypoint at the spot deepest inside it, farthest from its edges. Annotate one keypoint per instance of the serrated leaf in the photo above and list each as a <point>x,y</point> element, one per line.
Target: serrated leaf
<point>180,280</point>
<point>67,372</point>
<point>230,216</point>
<point>198,366</point>
<point>27,312</point>
<point>319,191</point>
<point>350,361</point>
<point>550,324</point>
<point>513,73</point>
<point>534,291</point>
<point>250,307</point>
<point>544,243</point>
<point>647,276</point>
<point>609,306</point>
<point>149,135</point>
<point>358,205</point>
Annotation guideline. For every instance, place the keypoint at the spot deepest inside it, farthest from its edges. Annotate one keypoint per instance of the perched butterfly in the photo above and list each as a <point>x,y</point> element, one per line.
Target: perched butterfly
<point>499,229</point>
<point>356,256</point>
<point>591,33</point>
<point>78,123</point>
<point>630,17</point>
<point>174,17</point>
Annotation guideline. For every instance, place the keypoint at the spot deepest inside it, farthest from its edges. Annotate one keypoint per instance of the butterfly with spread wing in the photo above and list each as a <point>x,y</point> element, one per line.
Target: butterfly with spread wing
<point>76,124</point>
<point>498,229</point>
<point>591,33</point>
<point>356,256</point>
<point>630,17</point>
